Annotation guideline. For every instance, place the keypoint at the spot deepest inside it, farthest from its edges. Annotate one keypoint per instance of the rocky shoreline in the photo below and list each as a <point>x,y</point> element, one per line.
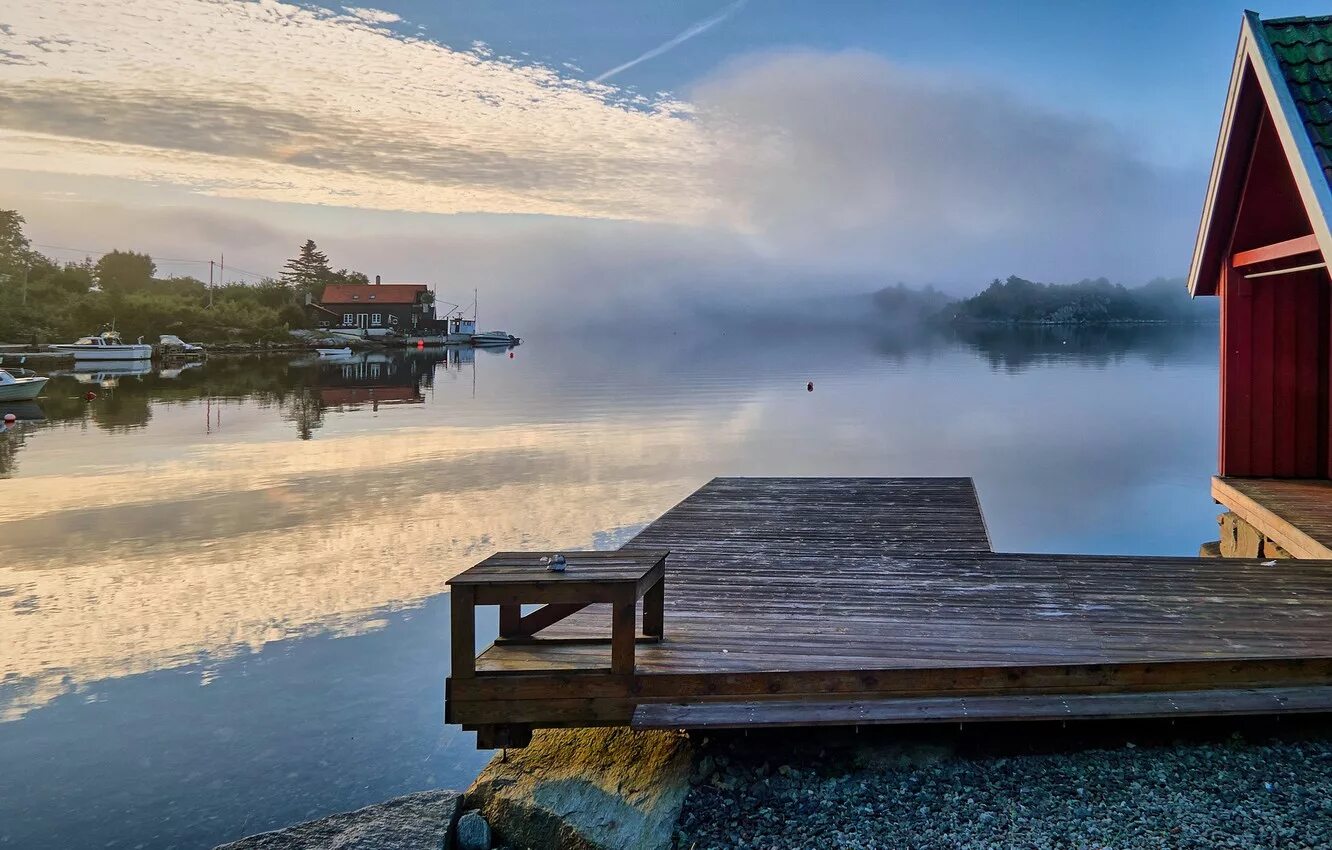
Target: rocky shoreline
<point>1213,784</point>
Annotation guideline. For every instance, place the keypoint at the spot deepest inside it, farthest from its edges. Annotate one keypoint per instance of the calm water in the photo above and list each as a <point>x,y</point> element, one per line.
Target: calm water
<point>221,590</point>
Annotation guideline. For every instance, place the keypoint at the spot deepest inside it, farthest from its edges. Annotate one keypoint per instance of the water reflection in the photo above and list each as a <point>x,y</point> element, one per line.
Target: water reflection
<point>168,542</point>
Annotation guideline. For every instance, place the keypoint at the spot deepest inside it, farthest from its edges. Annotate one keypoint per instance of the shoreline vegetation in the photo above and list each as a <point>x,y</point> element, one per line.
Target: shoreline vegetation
<point>44,301</point>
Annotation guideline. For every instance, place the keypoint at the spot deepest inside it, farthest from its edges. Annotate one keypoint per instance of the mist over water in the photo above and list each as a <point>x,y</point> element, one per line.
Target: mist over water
<point>222,598</point>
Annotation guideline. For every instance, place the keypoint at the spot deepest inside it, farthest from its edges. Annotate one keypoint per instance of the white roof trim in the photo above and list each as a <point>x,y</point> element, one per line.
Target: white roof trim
<point>1219,157</point>
<point>1313,186</point>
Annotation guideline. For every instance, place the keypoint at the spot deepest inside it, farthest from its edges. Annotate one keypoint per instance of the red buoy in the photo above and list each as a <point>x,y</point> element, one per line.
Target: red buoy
<point>90,395</point>
<point>10,419</point>
<point>420,343</point>
<point>810,386</point>
<point>510,355</point>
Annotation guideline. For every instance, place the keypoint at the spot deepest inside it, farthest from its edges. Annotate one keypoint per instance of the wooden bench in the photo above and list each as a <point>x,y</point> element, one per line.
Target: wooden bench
<point>513,579</point>
<point>758,714</point>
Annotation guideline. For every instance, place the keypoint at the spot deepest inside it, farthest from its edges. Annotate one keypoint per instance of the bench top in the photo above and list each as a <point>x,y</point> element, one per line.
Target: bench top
<point>623,566</point>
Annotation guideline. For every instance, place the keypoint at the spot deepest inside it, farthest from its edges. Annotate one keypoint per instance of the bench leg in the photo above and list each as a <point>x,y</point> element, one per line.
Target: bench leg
<point>622,637</point>
<point>654,610</point>
<point>462,615</point>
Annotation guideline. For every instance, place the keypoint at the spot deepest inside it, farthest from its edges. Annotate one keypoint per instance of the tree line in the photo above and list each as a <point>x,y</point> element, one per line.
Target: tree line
<point>50,301</point>
<point>1016,300</point>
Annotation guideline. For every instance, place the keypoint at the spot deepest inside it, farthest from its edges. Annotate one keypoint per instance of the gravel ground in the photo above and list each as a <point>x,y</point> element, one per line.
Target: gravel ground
<point>1251,786</point>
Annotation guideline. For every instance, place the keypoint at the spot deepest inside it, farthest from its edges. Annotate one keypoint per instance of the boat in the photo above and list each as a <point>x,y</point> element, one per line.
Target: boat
<point>345,351</point>
<point>170,344</point>
<point>494,338</point>
<point>20,389</point>
<point>106,346</point>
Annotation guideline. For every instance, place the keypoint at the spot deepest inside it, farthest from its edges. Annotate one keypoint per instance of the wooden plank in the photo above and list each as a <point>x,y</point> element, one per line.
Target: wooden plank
<point>1017,707</point>
<point>462,640</point>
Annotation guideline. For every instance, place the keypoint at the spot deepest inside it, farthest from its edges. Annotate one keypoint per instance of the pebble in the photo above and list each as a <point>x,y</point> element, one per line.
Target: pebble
<point>1228,794</point>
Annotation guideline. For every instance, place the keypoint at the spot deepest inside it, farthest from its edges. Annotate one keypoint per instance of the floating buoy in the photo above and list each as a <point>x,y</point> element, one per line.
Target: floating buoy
<point>420,343</point>
<point>10,419</point>
<point>809,387</point>
<point>510,355</point>
<point>90,395</point>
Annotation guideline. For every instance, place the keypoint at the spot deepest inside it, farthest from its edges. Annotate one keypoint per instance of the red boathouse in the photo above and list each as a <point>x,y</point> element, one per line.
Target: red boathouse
<point>1262,247</point>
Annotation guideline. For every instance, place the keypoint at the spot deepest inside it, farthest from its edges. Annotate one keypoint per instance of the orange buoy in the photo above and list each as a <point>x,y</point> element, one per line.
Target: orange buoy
<point>420,343</point>
<point>809,387</point>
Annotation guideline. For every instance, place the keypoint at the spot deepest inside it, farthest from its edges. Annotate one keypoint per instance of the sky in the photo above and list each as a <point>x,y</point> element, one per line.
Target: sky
<point>600,155</point>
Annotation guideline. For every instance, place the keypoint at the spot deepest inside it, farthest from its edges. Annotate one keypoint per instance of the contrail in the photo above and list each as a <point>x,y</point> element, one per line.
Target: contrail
<point>694,29</point>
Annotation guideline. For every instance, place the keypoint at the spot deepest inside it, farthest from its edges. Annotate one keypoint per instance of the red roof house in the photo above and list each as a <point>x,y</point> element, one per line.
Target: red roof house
<point>401,306</point>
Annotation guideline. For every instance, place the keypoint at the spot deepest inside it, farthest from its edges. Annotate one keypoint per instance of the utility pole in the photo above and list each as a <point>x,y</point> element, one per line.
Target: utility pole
<point>210,283</point>
<point>25,286</point>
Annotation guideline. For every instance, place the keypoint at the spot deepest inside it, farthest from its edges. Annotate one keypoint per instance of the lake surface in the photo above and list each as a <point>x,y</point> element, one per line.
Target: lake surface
<point>222,603</point>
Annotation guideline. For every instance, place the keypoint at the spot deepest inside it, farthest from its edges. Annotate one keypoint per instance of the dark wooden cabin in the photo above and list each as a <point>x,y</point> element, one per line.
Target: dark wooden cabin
<point>1262,247</point>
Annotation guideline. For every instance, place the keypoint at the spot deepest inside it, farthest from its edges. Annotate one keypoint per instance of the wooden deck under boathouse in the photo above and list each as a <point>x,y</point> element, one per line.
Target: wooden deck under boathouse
<point>804,601</point>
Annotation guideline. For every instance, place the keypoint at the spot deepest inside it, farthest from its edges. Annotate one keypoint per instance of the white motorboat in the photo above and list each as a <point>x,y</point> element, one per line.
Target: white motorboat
<point>106,346</point>
<point>494,338</point>
<point>19,389</point>
<point>334,352</point>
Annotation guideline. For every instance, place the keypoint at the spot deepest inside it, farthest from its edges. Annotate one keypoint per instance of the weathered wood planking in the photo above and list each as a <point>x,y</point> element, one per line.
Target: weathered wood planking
<point>802,588</point>
<point>1296,513</point>
<point>777,713</point>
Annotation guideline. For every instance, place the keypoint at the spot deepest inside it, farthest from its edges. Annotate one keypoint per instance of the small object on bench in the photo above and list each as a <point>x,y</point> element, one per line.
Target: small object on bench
<point>512,579</point>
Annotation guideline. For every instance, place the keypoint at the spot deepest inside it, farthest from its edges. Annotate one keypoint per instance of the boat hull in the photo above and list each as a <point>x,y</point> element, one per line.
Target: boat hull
<point>107,352</point>
<point>25,389</point>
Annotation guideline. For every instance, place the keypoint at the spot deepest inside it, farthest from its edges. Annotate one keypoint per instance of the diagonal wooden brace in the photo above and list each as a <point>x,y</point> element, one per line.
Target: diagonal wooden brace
<point>514,625</point>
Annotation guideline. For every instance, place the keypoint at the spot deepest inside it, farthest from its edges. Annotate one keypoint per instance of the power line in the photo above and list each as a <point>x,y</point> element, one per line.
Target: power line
<point>92,252</point>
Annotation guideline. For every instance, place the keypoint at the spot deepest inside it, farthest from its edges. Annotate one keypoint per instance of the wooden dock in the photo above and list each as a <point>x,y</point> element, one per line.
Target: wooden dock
<point>1294,513</point>
<point>858,601</point>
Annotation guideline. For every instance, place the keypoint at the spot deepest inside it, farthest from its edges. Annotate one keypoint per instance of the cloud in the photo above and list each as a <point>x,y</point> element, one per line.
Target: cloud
<point>695,29</point>
<point>291,103</point>
<point>863,163</point>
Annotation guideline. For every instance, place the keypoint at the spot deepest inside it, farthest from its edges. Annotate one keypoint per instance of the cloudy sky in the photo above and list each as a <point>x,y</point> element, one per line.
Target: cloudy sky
<point>608,153</point>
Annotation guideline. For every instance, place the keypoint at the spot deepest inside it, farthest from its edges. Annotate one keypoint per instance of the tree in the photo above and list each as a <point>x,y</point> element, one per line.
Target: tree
<point>122,272</point>
<point>344,276</point>
<point>308,272</point>
<point>15,252</point>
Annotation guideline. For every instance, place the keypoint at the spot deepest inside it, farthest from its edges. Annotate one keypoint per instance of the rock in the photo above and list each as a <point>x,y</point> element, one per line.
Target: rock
<point>587,789</point>
<point>473,833</point>
<point>1211,549</point>
<point>418,821</point>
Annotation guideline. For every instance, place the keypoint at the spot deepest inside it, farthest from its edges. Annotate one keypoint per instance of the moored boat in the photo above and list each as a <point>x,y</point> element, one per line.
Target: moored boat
<point>494,338</point>
<point>20,389</point>
<point>106,346</point>
<point>334,352</point>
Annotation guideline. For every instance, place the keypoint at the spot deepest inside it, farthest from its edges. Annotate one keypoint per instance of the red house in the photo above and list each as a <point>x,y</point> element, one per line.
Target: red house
<point>1262,247</point>
<point>400,307</point>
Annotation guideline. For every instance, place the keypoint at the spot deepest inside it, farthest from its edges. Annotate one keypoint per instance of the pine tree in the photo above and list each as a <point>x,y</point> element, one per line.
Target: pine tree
<point>308,272</point>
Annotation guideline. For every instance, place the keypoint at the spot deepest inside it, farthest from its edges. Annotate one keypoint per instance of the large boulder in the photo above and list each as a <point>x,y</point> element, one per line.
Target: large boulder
<point>587,789</point>
<point>415,822</point>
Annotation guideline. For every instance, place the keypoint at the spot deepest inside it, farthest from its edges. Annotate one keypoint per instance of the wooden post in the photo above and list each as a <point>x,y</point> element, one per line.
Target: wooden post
<point>622,635</point>
<point>654,609</point>
<point>463,641</point>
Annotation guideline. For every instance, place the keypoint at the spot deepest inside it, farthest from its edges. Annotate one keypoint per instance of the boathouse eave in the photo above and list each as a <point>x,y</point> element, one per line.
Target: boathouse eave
<point>1229,163</point>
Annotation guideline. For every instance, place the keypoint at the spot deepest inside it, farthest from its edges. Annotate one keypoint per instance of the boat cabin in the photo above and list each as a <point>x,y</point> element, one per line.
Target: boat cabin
<point>1261,248</point>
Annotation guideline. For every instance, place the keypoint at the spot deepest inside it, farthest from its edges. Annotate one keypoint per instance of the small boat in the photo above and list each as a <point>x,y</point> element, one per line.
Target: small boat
<point>175,346</point>
<point>107,346</point>
<point>19,389</point>
<point>494,338</point>
<point>334,352</point>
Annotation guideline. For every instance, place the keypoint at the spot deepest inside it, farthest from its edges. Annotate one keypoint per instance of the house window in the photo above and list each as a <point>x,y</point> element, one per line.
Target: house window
<point>348,320</point>
<point>376,319</point>
<point>372,296</point>
<point>356,298</point>
<point>393,320</point>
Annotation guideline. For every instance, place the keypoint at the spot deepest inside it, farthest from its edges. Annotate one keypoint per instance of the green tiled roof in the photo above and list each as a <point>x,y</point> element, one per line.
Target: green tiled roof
<point>1303,47</point>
